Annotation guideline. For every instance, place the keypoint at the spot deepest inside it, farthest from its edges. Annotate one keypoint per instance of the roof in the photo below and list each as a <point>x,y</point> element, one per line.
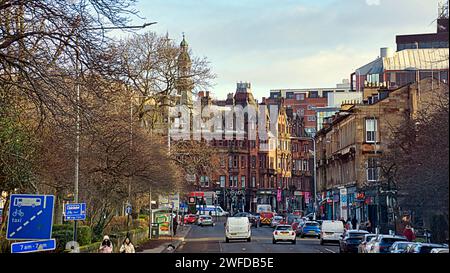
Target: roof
<point>409,59</point>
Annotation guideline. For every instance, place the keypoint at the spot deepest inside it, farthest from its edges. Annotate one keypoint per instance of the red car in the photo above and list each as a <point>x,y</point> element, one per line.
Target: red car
<point>190,219</point>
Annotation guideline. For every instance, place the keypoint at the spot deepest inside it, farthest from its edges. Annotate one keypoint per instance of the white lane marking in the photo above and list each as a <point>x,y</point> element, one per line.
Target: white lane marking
<point>32,218</point>
<point>19,228</point>
<point>39,212</point>
<point>12,234</point>
<point>329,250</point>
<point>26,223</point>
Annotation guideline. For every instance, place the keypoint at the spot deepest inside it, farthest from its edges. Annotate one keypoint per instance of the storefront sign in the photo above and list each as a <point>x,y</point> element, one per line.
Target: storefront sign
<point>343,204</point>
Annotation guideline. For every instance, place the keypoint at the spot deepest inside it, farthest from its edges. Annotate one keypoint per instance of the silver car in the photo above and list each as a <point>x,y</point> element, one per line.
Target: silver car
<point>205,220</point>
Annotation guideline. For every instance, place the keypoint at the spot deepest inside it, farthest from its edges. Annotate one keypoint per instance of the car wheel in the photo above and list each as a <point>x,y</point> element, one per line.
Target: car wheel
<point>274,241</point>
<point>321,242</point>
<point>249,239</point>
<point>318,236</point>
<point>227,240</point>
<point>294,242</point>
<point>302,236</point>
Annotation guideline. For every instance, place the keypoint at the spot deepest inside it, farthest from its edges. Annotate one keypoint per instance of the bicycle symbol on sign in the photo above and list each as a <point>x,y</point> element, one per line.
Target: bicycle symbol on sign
<point>18,213</point>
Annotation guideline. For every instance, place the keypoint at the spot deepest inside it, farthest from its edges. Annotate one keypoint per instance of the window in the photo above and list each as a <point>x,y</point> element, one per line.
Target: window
<point>231,181</point>
<point>305,165</point>
<point>253,162</point>
<point>230,162</point>
<point>243,162</point>
<point>300,96</point>
<point>311,118</point>
<point>204,181</point>
<point>372,169</point>
<point>305,148</point>
<point>253,181</point>
<point>222,161</point>
<point>235,161</point>
<point>371,130</point>
<point>222,181</point>
<point>235,181</point>
<point>243,181</point>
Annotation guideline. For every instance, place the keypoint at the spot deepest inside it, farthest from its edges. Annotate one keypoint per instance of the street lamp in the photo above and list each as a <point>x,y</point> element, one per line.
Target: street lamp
<point>77,143</point>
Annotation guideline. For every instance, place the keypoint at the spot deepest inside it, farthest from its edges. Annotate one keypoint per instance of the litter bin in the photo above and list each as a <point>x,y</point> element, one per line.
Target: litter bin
<point>155,230</point>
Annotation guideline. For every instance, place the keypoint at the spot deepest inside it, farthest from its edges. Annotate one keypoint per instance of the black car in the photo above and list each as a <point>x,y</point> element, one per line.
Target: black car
<point>253,219</point>
<point>350,241</point>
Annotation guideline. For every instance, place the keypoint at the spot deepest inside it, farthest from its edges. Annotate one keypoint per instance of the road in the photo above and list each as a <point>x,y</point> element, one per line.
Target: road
<point>212,240</point>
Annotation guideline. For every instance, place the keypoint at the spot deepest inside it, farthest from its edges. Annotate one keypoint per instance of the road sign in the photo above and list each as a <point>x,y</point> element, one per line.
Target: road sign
<point>75,211</point>
<point>33,246</point>
<point>30,217</point>
<point>128,209</point>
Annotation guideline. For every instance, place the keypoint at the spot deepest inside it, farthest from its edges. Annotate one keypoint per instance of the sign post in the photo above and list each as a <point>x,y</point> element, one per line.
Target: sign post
<point>75,212</point>
<point>33,246</point>
<point>30,217</point>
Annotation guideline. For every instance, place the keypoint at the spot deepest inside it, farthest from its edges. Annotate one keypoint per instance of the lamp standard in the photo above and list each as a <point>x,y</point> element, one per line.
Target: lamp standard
<point>78,119</point>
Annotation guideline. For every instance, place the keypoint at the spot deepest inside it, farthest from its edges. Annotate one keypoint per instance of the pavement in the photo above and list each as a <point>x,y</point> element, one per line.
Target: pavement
<point>176,241</point>
<point>212,240</point>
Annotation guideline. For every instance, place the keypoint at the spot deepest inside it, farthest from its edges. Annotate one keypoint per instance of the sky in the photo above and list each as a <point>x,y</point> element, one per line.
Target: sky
<point>277,44</point>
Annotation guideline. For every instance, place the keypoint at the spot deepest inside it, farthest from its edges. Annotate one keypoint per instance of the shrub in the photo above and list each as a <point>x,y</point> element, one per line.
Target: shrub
<point>64,234</point>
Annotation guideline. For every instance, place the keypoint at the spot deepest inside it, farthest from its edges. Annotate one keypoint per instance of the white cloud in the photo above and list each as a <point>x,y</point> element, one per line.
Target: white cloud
<point>373,2</point>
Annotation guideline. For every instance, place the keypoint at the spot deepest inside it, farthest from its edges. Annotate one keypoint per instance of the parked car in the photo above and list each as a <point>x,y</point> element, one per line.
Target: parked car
<point>382,243</point>
<point>205,220</point>
<point>331,231</point>
<point>310,228</point>
<point>399,247</point>
<point>439,250</point>
<point>363,246</point>
<point>238,228</point>
<point>190,219</point>
<point>284,233</point>
<point>424,247</point>
<point>266,218</point>
<point>276,220</point>
<point>351,240</point>
<point>252,218</point>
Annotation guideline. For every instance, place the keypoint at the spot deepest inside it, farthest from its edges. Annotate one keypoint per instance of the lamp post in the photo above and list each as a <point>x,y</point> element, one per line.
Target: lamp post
<point>78,119</point>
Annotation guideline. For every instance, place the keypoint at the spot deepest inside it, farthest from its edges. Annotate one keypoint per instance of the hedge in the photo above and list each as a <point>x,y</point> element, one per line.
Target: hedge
<point>64,234</point>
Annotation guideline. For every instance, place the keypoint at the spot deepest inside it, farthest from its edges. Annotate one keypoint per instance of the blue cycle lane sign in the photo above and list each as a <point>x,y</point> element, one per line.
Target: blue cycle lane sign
<point>30,217</point>
<point>75,211</point>
<point>36,246</point>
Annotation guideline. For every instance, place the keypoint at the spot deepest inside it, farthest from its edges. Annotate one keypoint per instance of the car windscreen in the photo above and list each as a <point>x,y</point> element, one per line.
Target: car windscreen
<point>206,217</point>
<point>356,235</point>
<point>390,241</point>
<point>312,224</point>
<point>278,218</point>
<point>284,228</point>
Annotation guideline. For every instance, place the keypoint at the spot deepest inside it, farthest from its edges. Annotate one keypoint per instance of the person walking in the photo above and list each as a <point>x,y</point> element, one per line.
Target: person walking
<point>408,232</point>
<point>127,246</point>
<point>106,246</point>
<point>354,222</point>
<point>369,226</point>
<point>348,224</point>
<point>175,225</point>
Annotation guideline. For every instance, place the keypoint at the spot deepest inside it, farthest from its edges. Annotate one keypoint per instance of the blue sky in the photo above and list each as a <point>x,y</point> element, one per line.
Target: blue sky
<point>287,43</point>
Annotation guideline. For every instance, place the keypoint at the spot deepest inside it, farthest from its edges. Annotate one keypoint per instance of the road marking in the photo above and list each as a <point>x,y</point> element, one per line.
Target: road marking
<point>329,250</point>
<point>12,234</point>
<point>39,212</point>
<point>26,223</point>
<point>19,228</point>
<point>32,218</point>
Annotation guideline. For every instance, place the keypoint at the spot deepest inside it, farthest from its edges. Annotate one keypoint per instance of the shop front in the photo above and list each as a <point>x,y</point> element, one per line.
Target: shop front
<point>336,205</point>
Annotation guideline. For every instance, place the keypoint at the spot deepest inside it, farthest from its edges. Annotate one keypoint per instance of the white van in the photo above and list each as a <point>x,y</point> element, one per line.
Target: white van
<point>331,230</point>
<point>215,210</point>
<point>238,228</point>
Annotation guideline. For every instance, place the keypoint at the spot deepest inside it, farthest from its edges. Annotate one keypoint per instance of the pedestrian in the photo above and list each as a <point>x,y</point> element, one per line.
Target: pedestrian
<point>175,225</point>
<point>354,222</point>
<point>408,232</point>
<point>369,226</point>
<point>348,224</point>
<point>127,246</point>
<point>106,246</point>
